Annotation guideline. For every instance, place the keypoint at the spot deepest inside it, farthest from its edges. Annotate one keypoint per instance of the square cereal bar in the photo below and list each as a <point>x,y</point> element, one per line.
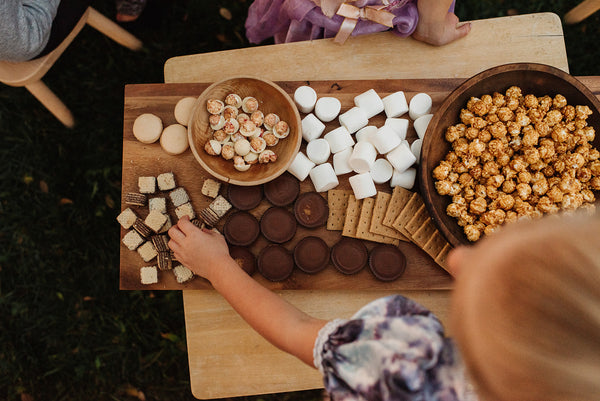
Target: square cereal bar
<point>149,275</point>
<point>147,185</point>
<point>166,181</point>
<point>220,206</point>
<point>179,196</point>
<point>158,203</point>
<point>155,220</point>
<point>182,273</point>
<point>126,218</point>
<point>147,251</point>
<point>185,210</point>
<point>132,240</point>
<point>211,188</point>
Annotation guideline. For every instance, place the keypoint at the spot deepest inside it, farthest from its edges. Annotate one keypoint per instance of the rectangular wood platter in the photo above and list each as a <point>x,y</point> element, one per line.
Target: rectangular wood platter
<point>139,159</point>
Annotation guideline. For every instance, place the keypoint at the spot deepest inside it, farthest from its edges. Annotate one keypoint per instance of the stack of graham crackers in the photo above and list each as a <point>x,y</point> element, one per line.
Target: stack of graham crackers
<point>388,219</point>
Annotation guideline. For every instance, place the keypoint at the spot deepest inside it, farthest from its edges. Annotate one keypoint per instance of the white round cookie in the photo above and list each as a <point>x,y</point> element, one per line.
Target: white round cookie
<point>183,110</point>
<point>147,128</point>
<point>174,139</point>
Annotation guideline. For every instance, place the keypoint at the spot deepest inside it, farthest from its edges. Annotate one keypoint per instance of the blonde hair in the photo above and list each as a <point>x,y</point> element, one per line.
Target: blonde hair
<point>542,312</point>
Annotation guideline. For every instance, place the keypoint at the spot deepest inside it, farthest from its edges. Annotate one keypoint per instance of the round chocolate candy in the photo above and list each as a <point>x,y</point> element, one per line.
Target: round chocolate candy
<point>244,198</point>
<point>278,224</point>
<point>275,262</point>
<point>387,262</point>
<point>311,210</point>
<point>349,255</point>
<point>311,254</point>
<point>241,229</point>
<point>244,258</point>
<point>283,190</point>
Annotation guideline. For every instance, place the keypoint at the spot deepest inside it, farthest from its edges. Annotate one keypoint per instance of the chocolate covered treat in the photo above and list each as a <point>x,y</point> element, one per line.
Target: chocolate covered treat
<point>244,198</point>
<point>275,263</point>
<point>387,262</point>
<point>349,255</point>
<point>311,254</point>
<point>278,225</point>
<point>283,190</point>
<point>311,210</point>
<point>244,258</point>
<point>241,229</point>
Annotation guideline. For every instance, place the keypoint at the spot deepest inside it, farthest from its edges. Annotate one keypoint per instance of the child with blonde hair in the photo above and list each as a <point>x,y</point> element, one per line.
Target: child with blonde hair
<point>525,315</point>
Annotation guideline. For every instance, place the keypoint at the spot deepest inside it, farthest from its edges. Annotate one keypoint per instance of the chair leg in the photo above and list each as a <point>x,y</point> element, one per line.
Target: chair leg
<point>113,30</point>
<point>582,11</point>
<point>51,102</point>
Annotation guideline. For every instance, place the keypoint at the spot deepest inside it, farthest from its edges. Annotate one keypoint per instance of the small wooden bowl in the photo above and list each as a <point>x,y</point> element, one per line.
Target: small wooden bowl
<point>537,79</point>
<point>272,99</point>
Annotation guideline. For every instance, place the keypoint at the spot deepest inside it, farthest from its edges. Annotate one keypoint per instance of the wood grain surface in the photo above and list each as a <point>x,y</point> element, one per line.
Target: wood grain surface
<point>149,159</point>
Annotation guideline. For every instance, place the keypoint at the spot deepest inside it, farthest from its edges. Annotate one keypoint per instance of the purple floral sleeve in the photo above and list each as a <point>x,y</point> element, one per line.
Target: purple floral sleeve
<point>392,349</point>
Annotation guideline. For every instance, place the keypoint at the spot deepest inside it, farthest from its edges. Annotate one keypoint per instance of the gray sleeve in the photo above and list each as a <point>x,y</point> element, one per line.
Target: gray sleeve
<point>25,27</point>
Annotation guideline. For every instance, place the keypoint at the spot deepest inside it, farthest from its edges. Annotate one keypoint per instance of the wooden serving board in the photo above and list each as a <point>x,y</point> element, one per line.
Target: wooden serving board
<point>149,159</point>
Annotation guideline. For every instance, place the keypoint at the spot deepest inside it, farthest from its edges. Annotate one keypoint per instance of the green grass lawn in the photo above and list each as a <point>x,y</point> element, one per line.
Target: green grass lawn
<point>66,331</point>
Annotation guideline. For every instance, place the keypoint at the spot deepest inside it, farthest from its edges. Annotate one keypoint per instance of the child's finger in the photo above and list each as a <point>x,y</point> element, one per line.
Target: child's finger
<point>174,246</point>
<point>186,226</point>
<point>175,233</point>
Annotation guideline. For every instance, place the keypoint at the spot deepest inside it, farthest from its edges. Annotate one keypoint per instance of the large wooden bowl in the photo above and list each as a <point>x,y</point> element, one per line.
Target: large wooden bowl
<point>272,99</point>
<point>536,79</point>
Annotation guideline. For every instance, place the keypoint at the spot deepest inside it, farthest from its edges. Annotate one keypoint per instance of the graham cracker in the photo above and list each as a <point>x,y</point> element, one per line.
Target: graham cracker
<point>424,233</point>
<point>419,218</point>
<point>400,197</point>
<point>381,203</point>
<point>407,213</point>
<point>435,244</point>
<point>440,259</point>
<point>352,216</point>
<point>337,200</point>
<point>362,230</point>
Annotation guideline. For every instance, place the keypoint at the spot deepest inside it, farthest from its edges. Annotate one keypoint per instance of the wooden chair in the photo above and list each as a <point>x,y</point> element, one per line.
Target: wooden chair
<point>29,73</point>
<point>582,11</point>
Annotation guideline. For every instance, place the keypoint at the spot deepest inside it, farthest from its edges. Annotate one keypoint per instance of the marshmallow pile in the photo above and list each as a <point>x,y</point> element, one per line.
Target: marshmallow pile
<point>375,155</point>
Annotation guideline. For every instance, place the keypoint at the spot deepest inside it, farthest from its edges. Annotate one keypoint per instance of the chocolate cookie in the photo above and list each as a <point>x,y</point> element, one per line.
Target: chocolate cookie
<point>241,229</point>
<point>275,263</point>
<point>311,210</point>
<point>311,254</point>
<point>283,190</point>
<point>244,258</point>
<point>278,225</point>
<point>387,262</point>
<point>349,255</point>
<point>244,198</point>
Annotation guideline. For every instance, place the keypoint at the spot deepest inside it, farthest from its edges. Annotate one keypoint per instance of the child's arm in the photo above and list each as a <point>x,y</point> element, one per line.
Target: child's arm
<point>283,325</point>
<point>438,26</point>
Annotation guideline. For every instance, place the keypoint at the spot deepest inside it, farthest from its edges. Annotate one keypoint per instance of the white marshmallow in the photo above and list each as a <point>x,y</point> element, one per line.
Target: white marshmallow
<point>327,108</point>
<point>401,157</point>
<point>370,102</point>
<point>420,104</point>
<point>405,179</point>
<point>301,166</point>
<point>312,127</point>
<point>395,104</point>
<point>318,151</point>
<point>363,156</point>
<point>364,134</point>
<point>362,185</point>
<point>305,98</point>
<point>381,171</point>
<point>339,139</point>
<point>340,162</point>
<point>399,125</point>
<point>323,177</point>
<point>354,119</point>
<point>415,148</point>
<point>385,139</point>
<point>421,124</point>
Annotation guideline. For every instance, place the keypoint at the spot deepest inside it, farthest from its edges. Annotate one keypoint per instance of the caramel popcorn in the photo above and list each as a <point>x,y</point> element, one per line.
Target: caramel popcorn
<point>514,156</point>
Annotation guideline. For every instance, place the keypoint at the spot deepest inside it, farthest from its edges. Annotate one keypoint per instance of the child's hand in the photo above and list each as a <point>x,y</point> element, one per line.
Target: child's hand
<point>201,251</point>
<point>439,33</point>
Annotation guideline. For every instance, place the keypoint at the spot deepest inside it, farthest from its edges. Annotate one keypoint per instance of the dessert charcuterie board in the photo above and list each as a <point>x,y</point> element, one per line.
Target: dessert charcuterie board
<point>140,159</point>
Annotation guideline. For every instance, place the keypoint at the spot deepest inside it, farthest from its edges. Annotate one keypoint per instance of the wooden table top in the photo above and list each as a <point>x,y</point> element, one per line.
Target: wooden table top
<point>226,357</point>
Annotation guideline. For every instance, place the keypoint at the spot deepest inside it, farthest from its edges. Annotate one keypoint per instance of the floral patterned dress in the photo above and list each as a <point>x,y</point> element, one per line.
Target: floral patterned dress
<point>391,349</point>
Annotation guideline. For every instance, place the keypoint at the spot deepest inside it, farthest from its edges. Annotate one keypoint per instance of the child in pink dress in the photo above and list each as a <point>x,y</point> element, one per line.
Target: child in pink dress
<point>430,21</point>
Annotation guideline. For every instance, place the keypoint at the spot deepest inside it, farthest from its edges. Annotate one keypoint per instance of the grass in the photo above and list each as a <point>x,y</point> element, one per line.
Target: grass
<point>66,331</point>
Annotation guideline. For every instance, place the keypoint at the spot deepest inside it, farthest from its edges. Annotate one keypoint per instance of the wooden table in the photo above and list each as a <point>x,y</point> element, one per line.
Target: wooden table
<point>226,357</point>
